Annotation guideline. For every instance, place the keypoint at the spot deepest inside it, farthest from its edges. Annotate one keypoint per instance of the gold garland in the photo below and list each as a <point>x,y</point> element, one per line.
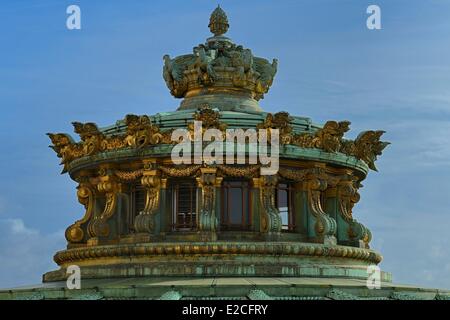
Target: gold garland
<point>129,175</point>
<point>247,171</point>
<point>180,172</point>
<point>293,174</point>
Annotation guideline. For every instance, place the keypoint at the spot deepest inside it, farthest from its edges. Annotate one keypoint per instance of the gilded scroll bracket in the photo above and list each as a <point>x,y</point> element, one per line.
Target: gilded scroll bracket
<point>86,196</point>
<point>315,184</point>
<point>145,221</point>
<point>99,226</point>
<point>270,215</point>
<point>347,196</point>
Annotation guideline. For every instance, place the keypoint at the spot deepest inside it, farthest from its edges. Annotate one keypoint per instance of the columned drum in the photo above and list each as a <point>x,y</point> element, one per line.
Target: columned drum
<point>147,215</point>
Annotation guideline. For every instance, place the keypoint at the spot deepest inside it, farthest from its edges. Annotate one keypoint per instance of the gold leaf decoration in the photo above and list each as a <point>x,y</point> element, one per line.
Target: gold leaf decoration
<point>181,171</point>
<point>250,171</point>
<point>129,175</point>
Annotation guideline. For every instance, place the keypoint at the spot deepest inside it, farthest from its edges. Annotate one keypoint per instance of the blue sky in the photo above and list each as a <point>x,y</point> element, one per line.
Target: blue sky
<point>330,67</point>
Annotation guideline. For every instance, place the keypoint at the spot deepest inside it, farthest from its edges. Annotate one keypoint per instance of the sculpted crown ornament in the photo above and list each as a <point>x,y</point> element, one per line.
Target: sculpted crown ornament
<point>218,23</point>
<point>218,67</point>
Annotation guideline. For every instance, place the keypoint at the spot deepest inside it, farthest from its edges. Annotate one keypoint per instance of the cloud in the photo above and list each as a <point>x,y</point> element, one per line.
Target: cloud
<point>409,235</point>
<point>416,145</point>
<point>25,253</point>
<point>18,228</point>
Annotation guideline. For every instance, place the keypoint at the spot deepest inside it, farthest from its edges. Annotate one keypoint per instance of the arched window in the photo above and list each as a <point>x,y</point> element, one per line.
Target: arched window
<point>184,206</point>
<point>235,202</point>
<point>284,203</point>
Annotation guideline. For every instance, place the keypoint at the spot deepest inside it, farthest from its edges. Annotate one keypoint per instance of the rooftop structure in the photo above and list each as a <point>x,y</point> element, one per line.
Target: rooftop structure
<point>156,229</point>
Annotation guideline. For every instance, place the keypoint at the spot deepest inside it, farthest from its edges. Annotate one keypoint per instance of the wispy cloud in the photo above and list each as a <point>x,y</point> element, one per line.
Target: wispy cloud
<point>25,253</point>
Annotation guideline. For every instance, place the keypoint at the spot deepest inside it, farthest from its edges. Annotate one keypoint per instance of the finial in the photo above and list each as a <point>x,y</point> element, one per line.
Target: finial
<point>218,22</point>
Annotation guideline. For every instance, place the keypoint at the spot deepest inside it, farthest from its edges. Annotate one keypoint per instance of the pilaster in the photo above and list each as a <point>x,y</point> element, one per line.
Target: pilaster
<point>148,220</point>
<point>207,218</point>
<point>320,227</point>
<point>104,226</point>
<point>77,233</point>
<point>270,219</point>
<point>340,201</point>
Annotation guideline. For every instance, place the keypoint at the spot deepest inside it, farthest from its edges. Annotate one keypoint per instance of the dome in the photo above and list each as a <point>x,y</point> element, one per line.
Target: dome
<point>148,216</point>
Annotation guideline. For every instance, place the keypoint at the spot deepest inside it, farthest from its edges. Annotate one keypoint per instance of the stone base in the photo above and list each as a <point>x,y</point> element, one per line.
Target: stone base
<point>270,267</point>
<point>222,259</point>
<point>244,288</point>
<point>222,101</point>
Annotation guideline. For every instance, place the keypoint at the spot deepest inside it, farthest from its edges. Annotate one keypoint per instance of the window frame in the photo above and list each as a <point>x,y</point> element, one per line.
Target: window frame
<point>225,222</point>
<point>174,214</point>
<point>290,226</point>
<point>133,208</point>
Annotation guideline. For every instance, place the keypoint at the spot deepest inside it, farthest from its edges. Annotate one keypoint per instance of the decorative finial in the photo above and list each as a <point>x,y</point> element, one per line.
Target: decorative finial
<point>218,22</point>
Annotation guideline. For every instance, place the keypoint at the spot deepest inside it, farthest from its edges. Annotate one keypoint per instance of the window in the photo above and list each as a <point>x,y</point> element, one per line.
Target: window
<point>284,203</point>
<point>184,206</point>
<point>137,203</point>
<point>235,206</point>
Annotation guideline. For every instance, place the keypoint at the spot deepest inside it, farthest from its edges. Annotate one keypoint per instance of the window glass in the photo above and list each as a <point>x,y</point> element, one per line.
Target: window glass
<point>184,206</point>
<point>283,200</point>
<point>235,205</point>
